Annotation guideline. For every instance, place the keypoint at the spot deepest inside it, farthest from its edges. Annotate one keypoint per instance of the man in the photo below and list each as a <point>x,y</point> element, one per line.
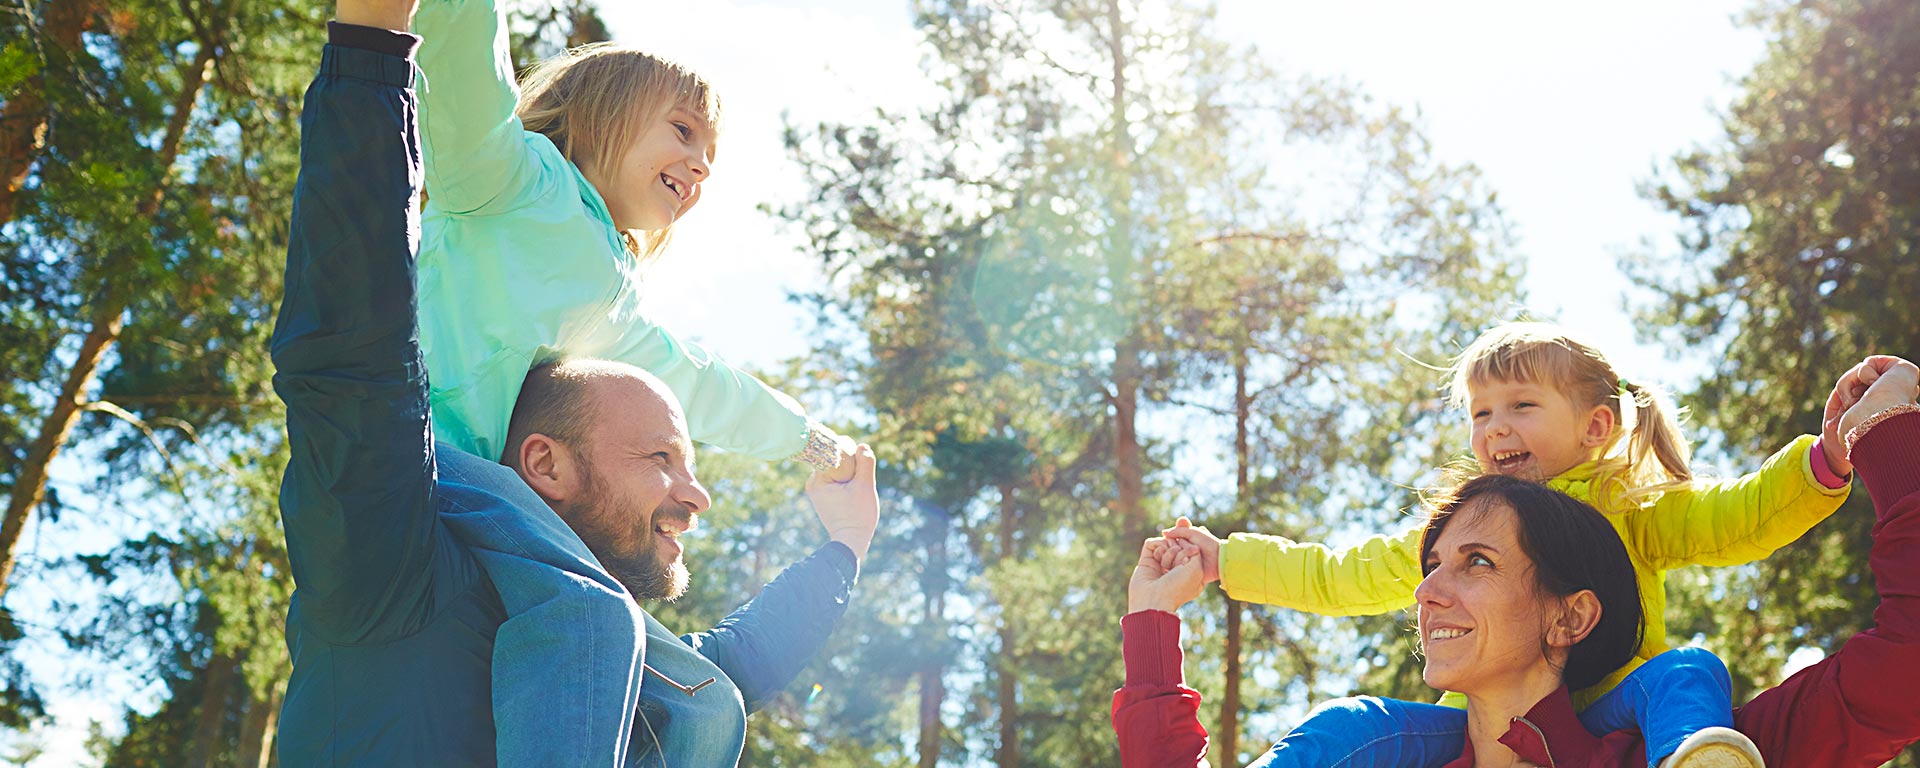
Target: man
<point>398,626</point>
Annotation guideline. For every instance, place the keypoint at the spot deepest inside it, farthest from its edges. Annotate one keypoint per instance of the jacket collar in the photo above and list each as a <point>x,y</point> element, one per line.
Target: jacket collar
<point>1548,735</point>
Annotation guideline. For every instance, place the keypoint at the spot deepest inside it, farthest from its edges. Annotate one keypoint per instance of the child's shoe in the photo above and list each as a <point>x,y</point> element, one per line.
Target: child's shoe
<point>1715,747</point>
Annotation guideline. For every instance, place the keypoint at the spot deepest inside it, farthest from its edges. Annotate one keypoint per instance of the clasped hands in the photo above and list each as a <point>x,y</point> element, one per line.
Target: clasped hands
<point>1173,568</point>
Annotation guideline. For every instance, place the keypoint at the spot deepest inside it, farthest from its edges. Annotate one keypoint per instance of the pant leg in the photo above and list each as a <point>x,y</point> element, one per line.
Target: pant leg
<point>570,627</point>
<point>1667,698</point>
<point>1368,731</point>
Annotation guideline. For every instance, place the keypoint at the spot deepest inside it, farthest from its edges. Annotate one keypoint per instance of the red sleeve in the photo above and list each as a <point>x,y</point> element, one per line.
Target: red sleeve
<point>1155,714</point>
<point>1856,707</point>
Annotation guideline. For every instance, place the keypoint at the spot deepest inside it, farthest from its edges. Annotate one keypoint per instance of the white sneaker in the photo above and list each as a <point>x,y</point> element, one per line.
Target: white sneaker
<point>1715,747</point>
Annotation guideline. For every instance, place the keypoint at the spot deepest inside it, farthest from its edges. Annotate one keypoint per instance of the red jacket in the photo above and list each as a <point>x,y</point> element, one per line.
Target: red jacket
<point>1854,708</point>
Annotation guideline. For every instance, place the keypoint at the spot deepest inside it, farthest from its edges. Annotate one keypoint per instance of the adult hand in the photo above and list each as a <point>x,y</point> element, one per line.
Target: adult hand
<point>1203,540</point>
<point>850,510</point>
<point>1155,587</point>
<point>1876,384</point>
<point>843,472</point>
<point>396,15</point>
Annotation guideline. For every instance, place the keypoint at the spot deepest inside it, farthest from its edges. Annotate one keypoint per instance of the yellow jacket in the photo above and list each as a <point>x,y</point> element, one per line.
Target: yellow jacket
<point>1722,522</point>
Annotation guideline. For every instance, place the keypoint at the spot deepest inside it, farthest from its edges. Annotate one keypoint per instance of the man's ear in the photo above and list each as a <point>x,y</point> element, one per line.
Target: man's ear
<point>549,468</point>
<point>1600,422</point>
<point>1579,614</point>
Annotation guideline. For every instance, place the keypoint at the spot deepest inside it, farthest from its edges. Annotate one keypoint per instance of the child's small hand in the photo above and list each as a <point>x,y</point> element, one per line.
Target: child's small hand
<point>1201,539</point>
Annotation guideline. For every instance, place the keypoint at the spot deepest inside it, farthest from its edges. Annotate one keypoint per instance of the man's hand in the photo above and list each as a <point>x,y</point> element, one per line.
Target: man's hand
<point>850,510</point>
<point>1876,384</point>
<point>396,15</point>
<point>1154,587</point>
<point>1202,540</point>
<point>843,472</point>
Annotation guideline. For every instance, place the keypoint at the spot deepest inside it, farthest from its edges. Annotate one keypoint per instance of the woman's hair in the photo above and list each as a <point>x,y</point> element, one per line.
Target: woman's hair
<point>1646,454</point>
<point>593,101</point>
<point>1573,547</point>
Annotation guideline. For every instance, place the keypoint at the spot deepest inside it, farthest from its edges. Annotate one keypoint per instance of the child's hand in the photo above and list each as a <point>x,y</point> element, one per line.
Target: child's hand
<point>1843,397</point>
<point>1202,540</point>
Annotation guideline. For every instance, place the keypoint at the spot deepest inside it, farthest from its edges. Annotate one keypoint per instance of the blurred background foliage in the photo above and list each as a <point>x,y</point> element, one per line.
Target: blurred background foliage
<point>1071,300</point>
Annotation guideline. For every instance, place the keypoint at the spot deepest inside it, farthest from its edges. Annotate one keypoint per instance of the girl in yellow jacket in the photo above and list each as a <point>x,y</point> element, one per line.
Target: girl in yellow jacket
<point>1548,408</point>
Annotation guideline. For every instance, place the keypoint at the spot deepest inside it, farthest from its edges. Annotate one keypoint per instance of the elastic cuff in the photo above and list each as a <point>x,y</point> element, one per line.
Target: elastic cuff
<point>377,39</point>
<point>842,558</point>
<point>1887,459</point>
<point>1823,471</point>
<point>363,64</point>
<point>1150,645</point>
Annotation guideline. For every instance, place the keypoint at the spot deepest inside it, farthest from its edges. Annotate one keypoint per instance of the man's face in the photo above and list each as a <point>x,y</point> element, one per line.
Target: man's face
<point>640,490</point>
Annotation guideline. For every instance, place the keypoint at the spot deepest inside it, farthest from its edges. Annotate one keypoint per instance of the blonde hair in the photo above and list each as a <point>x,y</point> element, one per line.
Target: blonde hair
<point>1644,456</point>
<point>592,102</point>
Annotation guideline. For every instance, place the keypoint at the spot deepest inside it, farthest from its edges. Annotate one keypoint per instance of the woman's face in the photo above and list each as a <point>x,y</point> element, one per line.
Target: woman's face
<point>1482,618</point>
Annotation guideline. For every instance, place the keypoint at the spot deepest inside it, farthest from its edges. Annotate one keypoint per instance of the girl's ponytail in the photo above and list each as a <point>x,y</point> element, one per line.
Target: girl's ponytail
<point>1656,457</point>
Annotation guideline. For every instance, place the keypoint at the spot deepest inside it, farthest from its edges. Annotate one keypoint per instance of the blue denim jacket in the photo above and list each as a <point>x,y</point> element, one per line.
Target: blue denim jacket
<point>398,627</point>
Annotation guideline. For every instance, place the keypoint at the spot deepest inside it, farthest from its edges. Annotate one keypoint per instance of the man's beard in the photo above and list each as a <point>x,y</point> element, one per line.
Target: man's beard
<point>645,575</point>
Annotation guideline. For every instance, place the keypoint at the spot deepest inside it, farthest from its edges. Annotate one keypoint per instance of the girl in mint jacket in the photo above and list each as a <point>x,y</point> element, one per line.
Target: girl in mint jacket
<point>540,210</point>
<point>534,238</point>
<point>1548,408</point>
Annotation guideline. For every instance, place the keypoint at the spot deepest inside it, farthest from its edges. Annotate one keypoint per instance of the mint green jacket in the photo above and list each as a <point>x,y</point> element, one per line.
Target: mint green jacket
<point>520,263</point>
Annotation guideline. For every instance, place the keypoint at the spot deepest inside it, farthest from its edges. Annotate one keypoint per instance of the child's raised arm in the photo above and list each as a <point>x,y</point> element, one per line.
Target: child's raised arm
<point>477,159</point>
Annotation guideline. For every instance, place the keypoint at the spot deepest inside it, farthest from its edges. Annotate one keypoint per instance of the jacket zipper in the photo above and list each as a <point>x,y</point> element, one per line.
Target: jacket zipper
<point>1543,739</point>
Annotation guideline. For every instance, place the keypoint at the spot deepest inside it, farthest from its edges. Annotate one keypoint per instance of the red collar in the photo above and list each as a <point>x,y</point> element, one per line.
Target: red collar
<point>1551,735</point>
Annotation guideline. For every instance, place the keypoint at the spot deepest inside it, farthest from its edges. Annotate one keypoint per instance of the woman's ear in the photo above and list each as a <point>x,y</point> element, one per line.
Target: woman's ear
<point>1579,614</point>
<point>1600,422</point>
<point>549,468</point>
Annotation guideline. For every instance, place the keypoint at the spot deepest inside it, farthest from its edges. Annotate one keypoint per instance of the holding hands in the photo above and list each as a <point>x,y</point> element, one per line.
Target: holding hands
<point>1174,568</point>
<point>850,509</point>
<point>1877,384</point>
<point>1849,405</point>
<point>1165,578</point>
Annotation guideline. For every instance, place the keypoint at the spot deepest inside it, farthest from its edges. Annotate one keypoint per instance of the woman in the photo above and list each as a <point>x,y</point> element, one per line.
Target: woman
<point>1511,615</point>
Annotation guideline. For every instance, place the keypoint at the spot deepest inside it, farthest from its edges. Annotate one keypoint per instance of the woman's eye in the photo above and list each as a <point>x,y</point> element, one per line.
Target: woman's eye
<point>1479,560</point>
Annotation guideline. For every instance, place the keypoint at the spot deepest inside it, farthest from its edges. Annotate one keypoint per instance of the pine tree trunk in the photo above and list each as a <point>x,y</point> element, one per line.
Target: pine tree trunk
<point>24,118</point>
<point>108,318</point>
<point>1229,731</point>
<point>257,731</point>
<point>1123,277</point>
<point>212,717</point>
<point>933,685</point>
<point>1008,695</point>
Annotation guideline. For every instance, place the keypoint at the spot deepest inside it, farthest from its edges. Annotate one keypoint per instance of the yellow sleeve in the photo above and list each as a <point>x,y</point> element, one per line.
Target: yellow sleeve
<point>1730,522</point>
<point>1375,576</point>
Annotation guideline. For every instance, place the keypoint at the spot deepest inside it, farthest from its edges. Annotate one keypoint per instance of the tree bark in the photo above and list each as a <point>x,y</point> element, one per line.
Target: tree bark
<point>212,717</point>
<point>106,322</point>
<point>1242,474</point>
<point>257,731</point>
<point>1122,274</point>
<point>933,685</point>
<point>1008,695</point>
<point>25,117</point>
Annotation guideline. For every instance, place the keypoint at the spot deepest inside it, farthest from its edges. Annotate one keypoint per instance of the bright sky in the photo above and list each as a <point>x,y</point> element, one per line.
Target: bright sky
<point>1564,108</point>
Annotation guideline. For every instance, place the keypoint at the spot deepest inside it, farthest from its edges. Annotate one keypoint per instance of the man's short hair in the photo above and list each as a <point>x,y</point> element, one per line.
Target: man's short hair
<point>557,400</point>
